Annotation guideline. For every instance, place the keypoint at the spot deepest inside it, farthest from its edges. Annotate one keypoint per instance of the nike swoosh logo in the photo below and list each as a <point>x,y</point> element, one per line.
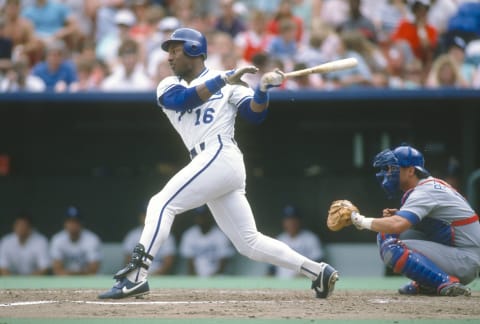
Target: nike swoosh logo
<point>126,290</point>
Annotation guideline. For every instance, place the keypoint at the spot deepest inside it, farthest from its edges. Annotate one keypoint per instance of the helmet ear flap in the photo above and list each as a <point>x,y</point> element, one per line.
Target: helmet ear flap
<point>191,49</point>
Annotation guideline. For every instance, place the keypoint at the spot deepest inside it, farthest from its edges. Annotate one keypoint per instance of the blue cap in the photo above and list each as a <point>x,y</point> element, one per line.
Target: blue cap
<point>73,213</point>
<point>289,211</point>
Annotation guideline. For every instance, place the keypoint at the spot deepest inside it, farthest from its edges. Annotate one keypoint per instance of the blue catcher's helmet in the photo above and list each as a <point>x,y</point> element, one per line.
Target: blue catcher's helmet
<point>389,162</point>
<point>194,43</point>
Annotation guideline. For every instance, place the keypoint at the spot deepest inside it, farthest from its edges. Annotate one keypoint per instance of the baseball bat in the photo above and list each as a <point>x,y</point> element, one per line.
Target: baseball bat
<point>336,65</point>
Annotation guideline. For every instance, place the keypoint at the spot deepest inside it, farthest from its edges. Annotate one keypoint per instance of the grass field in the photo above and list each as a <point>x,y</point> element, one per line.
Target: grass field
<point>255,300</point>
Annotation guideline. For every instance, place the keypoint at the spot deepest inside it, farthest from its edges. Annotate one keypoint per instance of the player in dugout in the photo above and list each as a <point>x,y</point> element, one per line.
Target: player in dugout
<point>202,104</point>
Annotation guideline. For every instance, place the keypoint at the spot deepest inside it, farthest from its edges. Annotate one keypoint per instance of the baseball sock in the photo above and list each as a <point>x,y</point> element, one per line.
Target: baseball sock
<point>311,269</point>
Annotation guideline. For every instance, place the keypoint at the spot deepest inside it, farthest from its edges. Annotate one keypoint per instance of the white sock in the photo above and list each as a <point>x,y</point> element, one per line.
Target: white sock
<point>311,269</point>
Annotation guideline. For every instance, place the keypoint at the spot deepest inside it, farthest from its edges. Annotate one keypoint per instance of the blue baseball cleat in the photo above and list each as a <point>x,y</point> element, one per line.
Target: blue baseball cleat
<point>124,288</point>
<point>325,282</point>
<point>413,288</point>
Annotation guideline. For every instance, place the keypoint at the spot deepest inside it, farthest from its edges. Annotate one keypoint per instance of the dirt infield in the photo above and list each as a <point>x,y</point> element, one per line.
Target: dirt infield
<point>239,303</point>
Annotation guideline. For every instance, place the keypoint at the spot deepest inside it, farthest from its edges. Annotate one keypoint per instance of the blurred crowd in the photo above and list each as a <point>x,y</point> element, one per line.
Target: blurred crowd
<point>114,45</point>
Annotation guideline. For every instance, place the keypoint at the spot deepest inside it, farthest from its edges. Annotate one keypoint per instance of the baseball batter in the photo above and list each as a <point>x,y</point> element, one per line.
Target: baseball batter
<point>434,238</point>
<point>202,104</point>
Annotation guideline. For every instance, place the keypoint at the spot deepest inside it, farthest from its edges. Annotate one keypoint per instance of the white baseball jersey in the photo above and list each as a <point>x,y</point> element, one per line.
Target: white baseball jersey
<point>305,243</point>
<point>216,116</point>
<point>76,255</point>
<point>215,176</point>
<point>24,259</point>
<point>441,213</point>
<point>168,248</point>
<point>206,249</point>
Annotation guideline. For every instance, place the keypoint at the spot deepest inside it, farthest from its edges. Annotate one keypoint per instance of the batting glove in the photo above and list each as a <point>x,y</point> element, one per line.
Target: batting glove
<point>271,79</point>
<point>235,76</point>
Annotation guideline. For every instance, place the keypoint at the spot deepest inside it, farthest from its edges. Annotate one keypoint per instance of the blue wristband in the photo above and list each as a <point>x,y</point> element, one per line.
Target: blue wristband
<point>260,97</point>
<point>215,84</point>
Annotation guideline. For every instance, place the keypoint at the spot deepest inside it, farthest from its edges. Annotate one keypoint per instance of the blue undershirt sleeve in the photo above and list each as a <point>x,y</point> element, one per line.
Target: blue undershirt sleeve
<point>180,98</point>
<point>247,113</point>
<point>411,217</point>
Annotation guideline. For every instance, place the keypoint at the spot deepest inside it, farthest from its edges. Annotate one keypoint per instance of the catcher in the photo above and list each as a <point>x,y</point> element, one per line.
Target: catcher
<point>433,239</point>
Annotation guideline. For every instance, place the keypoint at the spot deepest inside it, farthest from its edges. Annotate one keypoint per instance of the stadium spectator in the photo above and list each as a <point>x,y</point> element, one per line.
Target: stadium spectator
<point>107,47</point>
<point>334,12</point>
<point>25,251</point>
<point>130,75</point>
<point>413,77</point>
<point>18,78</point>
<point>85,68</point>
<point>405,75</point>
<point>284,46</point>
<point>306,10</point>
<point>154,15</point>
<point>356,41</point>
<point>83,13</point>
<point>285,12</point>
<point>421,36</point>
<point>141,30</point>
<point>57,72</point>
<point>105,17</point>
<point>75,250</point>
<point>229,61</point>
<point>445,73</point>
<point>220,44</point>
<point>312,53</point>
<point>6,48</point>
<point>228,21</point>
<point>441,12</point>
<point>185,11</point>
<point>358,22</point>
<point>52,21</point>
<point>456,50</point>
<point>21,32</point>
<point>164,260</point>
<point>388,16</point>
<point>301,240</point>
<point>91,71</point>
<point>255,39</point>
<point>358,76</point>
<point>205,247</point>
<point>155,54</point>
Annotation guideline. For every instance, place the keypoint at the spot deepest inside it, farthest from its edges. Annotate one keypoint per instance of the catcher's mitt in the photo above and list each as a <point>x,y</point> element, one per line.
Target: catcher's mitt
<point>339,214</point>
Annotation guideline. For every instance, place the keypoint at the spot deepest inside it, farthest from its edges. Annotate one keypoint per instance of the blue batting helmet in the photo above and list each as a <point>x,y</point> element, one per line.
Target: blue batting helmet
<point>389,162</point>
<point>194,43</point>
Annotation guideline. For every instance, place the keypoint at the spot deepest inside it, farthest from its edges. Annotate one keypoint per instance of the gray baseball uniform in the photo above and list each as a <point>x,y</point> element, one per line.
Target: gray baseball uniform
<point>446,228</point>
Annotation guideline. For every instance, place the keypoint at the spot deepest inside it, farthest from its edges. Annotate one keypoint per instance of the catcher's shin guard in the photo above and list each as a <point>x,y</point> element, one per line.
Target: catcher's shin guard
<point>413,265</point>
<point>138,260</point>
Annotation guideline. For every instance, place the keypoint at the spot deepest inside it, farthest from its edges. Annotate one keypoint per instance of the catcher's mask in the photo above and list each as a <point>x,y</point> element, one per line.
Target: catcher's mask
<point>389,162</point>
